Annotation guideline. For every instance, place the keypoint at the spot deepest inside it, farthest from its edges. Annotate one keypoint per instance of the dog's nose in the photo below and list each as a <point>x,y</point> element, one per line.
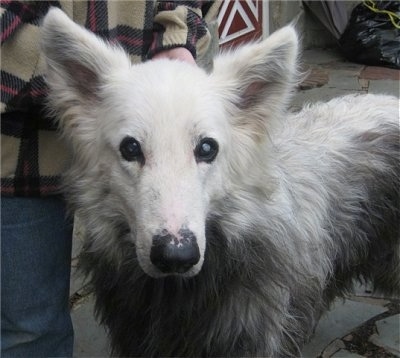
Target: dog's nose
<point>171,254</point>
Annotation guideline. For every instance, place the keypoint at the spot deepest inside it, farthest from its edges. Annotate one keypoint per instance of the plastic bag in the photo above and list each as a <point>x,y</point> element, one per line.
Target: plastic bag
<point>372,36</point>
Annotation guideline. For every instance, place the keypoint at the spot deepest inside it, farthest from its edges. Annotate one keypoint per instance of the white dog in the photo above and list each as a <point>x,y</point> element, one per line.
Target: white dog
<point>220,224</point>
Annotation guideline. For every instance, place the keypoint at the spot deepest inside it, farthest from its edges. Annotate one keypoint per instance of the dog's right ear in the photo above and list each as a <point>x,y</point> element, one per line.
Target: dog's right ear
<point>77,60</point>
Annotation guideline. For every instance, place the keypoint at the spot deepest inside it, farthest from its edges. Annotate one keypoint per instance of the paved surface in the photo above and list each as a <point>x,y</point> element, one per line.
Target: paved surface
<point>360,326</point>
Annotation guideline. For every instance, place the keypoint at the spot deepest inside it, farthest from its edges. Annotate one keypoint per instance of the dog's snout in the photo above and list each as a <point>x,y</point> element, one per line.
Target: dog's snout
<point>175,254</point>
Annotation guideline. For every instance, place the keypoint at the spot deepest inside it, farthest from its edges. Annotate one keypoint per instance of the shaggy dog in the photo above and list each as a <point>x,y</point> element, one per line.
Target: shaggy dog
<point>218,223</point>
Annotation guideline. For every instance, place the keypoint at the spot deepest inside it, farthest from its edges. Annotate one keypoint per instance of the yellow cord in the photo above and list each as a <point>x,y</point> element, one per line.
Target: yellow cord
<point>394,18</point>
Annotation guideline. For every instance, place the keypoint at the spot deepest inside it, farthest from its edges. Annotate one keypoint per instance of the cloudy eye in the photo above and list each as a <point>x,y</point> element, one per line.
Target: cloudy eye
<point>131,151</point>
<point>206,150</point>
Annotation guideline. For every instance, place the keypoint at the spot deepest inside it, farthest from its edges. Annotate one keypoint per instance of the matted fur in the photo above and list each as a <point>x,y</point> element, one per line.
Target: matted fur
<point>294,208</point>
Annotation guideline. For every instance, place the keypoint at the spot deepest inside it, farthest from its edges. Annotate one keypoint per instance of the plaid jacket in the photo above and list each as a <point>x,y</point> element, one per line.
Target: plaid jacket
<point>32,157</point>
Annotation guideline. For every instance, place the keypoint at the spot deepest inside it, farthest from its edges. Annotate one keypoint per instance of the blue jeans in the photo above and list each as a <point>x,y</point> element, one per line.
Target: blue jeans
<point>36,242</point>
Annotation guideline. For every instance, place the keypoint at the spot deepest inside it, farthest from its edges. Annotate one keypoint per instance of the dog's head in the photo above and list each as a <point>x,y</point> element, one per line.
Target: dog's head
<point>163,142</point>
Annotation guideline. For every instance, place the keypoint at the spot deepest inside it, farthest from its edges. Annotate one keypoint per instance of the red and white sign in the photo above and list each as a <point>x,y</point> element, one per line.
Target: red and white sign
<point>240,21</point>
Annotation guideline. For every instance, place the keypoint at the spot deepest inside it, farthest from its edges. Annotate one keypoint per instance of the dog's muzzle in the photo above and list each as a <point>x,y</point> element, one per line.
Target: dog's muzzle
<point>172,254</point>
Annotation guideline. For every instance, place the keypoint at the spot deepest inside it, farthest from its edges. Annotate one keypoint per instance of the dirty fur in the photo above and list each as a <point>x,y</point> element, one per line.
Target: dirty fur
<point>293,210</point>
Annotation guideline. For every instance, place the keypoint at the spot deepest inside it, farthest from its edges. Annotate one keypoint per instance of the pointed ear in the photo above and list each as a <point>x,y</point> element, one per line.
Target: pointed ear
<point>77,60</point>
<point>257,78</point>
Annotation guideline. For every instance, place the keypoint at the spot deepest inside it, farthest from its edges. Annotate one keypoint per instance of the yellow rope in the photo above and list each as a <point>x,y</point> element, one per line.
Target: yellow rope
<point>394,18</point>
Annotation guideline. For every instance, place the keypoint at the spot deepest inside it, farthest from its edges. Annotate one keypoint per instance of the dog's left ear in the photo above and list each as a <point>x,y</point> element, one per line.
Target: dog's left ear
<point>256,79</point>
<point>77,60</point>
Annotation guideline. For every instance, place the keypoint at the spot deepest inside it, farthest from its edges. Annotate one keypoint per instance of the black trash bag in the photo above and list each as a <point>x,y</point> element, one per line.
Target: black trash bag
<point>371,38</point>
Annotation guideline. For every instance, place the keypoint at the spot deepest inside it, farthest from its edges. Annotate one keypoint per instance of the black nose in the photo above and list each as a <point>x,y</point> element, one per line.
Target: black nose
<point>171,254</point>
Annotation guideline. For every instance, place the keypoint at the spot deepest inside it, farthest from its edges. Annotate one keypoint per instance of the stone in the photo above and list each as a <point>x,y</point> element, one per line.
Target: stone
<point>346,354</point>
<point>380,73</point>
<point>90,338</point>
<point>335,346</point>
<point>385,87</point>
<point>388,336</point>
<point>371,300</point>
<point>316,56</point>
<point>316,77</point>
<point>339,321</point>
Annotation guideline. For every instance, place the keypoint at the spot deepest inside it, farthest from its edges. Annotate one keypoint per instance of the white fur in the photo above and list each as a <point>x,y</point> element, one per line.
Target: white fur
<point>171,190</point>
<point>275,172</point>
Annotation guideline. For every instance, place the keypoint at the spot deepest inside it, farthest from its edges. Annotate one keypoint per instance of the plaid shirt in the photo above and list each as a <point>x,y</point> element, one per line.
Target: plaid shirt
<point>32,157</point>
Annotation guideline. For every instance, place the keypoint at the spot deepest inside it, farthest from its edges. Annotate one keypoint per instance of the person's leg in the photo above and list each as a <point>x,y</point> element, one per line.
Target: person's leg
<point>36,244</point>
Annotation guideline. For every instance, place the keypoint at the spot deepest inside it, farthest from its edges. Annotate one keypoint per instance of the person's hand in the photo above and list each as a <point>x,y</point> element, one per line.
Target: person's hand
<point>177,53</point>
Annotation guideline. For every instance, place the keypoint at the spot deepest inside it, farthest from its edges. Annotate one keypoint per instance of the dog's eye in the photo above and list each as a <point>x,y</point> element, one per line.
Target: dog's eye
<point>130,150</point>
<point>206,150</point>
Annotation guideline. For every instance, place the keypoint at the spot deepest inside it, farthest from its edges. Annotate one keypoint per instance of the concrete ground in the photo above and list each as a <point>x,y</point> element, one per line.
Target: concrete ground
<point>360,326</point>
